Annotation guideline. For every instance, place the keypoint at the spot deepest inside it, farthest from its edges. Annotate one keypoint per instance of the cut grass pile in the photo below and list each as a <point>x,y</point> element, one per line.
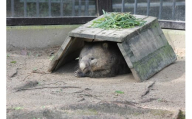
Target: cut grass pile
<point>117,21</point>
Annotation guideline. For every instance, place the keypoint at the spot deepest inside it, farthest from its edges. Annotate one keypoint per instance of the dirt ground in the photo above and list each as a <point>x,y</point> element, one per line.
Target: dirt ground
<point>34,93</point>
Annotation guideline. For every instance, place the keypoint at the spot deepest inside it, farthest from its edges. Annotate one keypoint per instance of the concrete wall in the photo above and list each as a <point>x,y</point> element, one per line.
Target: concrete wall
<point>37,36</point>
<point>53,35</point>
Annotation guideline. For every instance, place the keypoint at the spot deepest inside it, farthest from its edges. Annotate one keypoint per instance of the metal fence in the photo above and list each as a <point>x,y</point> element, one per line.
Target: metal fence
<point>37,12</point>
<point>75,5</point>
<point>171,4</point>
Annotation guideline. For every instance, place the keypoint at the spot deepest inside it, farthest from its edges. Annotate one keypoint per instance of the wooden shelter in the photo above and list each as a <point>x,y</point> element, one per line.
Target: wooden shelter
<point>145,48</point>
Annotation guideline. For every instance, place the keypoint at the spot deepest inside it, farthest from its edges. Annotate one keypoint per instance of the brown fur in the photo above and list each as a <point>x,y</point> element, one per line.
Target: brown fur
<point>101,59</point>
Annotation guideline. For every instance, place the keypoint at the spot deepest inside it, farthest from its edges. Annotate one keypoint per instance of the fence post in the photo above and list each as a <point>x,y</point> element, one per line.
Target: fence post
<point>37,8</point>
<point>12,8</point>
<point>104,5</point>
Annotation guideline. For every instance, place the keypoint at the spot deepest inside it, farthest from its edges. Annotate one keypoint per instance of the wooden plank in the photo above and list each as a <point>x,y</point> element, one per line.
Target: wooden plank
<point>122,34</point>
<point>111,35</point>
<point>59,54</point>
<point>102,36</point>
<point>154,62</point>
<point>156,29</point>
<point>135,75</point>
<point>140,16</point>
<point>98,34</point>
<point>125,55</point>
<point>85,31</point>
<point>117,35</point>
<point>149,21</point>
<point>147,66</point>
<point>90,33</point>
<point>134,48</point>
<point>147,52</point>
<point>144,44</point>
<point>69,50</point>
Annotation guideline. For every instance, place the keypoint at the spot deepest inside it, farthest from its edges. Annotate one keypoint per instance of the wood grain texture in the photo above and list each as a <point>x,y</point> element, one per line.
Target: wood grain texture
<point>68,51</point>
<point>115,35</point>
<point>147,52</point>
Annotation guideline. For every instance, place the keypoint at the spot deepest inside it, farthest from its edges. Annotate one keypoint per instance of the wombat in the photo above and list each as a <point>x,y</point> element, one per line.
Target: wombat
<point>101,59</point>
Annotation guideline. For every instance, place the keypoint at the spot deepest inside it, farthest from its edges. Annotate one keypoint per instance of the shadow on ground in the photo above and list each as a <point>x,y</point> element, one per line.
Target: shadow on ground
<point>102,110</point>
<point>69,67</point>
<point>166,74</point>
<point>171,72</point>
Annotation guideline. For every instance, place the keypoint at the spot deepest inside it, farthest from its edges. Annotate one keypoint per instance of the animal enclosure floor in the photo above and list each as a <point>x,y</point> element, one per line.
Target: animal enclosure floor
<point>33,93</point>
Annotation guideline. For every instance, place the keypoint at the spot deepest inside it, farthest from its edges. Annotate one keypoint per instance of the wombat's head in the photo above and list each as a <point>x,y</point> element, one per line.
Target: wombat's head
<point>94,56</point>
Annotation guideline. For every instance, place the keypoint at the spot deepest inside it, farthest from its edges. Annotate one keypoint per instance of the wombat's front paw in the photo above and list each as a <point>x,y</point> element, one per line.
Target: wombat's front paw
<point>78,73</point>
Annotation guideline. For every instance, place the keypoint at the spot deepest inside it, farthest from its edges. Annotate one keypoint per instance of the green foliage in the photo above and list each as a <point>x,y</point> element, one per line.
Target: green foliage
<point>117,21</point>
<point>14,62</point>
<point>119,92</point>
<point>18,108</point>
<point>51,58</point>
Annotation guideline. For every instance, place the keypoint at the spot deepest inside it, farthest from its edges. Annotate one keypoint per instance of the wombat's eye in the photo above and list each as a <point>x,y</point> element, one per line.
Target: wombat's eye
<point>92,58</point>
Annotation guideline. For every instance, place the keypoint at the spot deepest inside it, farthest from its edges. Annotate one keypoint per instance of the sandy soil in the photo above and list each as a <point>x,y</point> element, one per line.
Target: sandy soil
<point>34,93</point>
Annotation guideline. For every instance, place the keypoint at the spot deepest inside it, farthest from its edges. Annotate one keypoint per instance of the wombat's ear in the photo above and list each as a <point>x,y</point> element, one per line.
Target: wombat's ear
<point>105,45</point>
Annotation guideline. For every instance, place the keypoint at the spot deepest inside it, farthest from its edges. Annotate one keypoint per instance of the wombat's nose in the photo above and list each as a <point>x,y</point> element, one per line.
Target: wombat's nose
<point>82,66</point>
